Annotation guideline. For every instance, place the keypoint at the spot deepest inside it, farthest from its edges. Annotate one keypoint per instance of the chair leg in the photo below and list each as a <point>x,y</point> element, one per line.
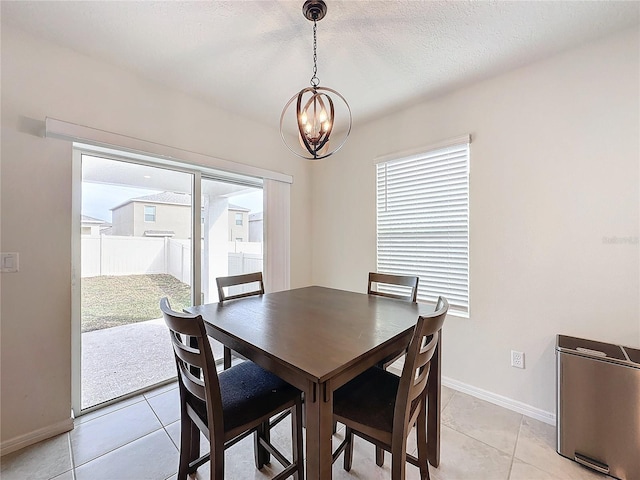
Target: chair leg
<point>348,451</point>
<point>227,358</point>
<point>296,440</point>
<point>186,426</point>
<point>216,462</point>
<point>259,452</point>
<point>194,445</point>
<point>398,460</point>
<point>266,456</point>
<point>421,434</point>
<point>379,456</point>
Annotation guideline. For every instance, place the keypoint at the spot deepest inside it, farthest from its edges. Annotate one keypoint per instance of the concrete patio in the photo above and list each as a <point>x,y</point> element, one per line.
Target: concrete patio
<point>120,360</point>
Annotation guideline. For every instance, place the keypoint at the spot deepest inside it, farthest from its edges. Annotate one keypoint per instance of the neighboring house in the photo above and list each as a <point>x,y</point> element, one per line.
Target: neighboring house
<point>238,224</point>
<point>92,226</point>
<point>168,214</point>
<point>163,214</point>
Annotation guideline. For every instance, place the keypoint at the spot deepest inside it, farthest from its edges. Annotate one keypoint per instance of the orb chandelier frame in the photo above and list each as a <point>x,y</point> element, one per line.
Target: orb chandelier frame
<point>314,106</point>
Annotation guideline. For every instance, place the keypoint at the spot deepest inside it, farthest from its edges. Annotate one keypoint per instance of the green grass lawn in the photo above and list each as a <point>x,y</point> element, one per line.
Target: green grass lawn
<point>109,301</point>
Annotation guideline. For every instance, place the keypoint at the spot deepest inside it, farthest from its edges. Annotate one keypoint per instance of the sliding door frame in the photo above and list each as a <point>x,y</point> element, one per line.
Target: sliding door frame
<point>76,259</point>
<point>276,261</point>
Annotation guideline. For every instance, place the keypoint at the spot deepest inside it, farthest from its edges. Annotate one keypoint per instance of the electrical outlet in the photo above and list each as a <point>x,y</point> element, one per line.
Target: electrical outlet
<point>9,262</point>
<point>517,359</point>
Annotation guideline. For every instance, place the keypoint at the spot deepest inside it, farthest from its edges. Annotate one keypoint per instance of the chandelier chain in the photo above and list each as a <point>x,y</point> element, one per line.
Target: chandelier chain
<point>315,81</point>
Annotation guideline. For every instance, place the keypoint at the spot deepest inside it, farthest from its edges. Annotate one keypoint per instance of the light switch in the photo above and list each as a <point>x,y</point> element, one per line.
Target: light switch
<point>9,262</point>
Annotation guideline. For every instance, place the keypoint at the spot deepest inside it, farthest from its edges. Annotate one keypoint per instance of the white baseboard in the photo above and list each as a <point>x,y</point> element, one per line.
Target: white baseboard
<point>508,403</point>
<point>36,436</point>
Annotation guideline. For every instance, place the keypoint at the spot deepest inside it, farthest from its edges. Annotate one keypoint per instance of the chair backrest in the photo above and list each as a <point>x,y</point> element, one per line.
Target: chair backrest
<point>244,279</point>
<point>197,374</point>
<point>415,374</point>
<point>399,280</point>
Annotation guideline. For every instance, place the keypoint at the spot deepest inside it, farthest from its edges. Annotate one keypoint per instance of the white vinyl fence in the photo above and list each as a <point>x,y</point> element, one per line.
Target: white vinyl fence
<point>116,255</point>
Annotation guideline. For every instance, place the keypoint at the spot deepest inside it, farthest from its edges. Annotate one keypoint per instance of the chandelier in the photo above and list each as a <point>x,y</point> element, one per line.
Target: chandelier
<point>318,110</point>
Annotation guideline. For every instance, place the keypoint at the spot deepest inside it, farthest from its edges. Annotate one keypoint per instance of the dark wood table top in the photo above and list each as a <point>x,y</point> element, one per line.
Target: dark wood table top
<point>316,330</point>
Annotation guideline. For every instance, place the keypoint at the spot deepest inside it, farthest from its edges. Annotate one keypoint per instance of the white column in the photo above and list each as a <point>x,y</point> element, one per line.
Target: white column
<point>277,213</point>
<point>215,257</point>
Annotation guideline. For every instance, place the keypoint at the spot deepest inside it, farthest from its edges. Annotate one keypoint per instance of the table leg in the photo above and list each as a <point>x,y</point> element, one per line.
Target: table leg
<point>433,393</point>
<point>319,419</point>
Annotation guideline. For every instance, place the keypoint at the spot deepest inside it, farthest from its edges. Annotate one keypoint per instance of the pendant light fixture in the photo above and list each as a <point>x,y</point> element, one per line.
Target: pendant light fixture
<point>322,116</point>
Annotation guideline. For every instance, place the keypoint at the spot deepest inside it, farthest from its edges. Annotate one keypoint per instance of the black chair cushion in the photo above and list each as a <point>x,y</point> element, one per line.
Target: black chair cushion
<point>248,392</point>
<point>369,399</point>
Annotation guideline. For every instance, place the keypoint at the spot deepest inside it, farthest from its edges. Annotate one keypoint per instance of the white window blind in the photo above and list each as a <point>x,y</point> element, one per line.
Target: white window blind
<point>423,221</point>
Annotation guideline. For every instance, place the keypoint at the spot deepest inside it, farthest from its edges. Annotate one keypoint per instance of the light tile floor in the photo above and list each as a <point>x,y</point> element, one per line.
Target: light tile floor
<point>137,438</point>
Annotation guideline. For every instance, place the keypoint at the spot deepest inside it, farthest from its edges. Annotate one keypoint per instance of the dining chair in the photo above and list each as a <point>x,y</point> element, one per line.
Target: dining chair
<point>410,295</point>
<point>229,406</point>
<point>258,289</point>
<point>382,408</point>
<point>236,281</point>
<point>410,282</point>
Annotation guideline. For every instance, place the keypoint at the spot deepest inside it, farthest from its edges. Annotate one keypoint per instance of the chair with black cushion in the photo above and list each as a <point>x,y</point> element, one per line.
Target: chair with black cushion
<point>408,292</point>
<point>382,407</point>
<point>254,280</point>
<point>227,407</point>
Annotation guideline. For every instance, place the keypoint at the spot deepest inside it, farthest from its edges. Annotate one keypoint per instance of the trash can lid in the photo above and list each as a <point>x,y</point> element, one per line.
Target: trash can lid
<point>633,353</point>
<point>589,348</point>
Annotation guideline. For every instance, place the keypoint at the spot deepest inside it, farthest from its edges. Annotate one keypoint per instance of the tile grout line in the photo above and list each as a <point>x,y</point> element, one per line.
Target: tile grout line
<point>171,438</point>
<point>124,445</point>
<point>515,446</point>
<point>73,462</point>
<point>448,401</point>
<point>477,440</point>
<point>125,405</point>
<point>162,427</point>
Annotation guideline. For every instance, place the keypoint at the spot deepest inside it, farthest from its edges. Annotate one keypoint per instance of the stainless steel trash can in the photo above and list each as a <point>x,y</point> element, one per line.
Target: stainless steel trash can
<point>598,405</point>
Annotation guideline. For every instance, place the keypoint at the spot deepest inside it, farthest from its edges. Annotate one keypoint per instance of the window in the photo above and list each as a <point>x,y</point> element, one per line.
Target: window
<point>423,220</point>
<point>149,213</point>
<point>238,219</point>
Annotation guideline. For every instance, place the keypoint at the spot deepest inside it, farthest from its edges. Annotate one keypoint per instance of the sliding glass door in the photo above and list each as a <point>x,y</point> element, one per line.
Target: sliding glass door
<point>232,225</point>
<point>135,246</point>
<point>135,243</point>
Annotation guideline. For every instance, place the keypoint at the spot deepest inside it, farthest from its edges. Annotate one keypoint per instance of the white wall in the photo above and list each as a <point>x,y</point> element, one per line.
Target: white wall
<point>39,80</point>
<point>554,170</point>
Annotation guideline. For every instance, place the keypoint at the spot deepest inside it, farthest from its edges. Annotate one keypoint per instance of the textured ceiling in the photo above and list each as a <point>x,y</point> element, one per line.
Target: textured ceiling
<point>250,57</point>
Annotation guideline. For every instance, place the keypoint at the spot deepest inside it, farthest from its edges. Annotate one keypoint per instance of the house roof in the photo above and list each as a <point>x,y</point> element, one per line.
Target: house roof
<point>237,208</point>
<point>174,198</point>
<point>88,219</point>
<point>171,198</point>
<point>168,198</point>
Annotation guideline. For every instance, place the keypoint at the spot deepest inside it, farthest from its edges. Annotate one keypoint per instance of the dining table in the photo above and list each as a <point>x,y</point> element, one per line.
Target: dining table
<point>317,339</point>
